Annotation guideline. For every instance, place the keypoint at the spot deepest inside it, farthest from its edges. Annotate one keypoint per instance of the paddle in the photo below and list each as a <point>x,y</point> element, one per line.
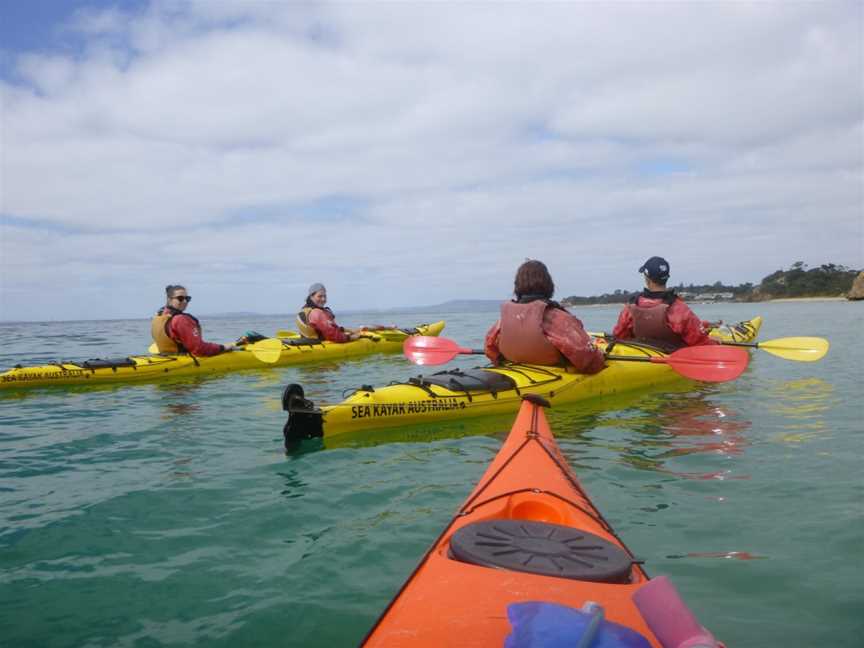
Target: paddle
<point>429,350</point>
<point>799,349</point>
<point>267,351</point>
<point>710,363</point>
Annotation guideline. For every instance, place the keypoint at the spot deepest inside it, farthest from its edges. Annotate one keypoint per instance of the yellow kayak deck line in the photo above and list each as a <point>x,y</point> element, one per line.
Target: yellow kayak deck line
<point>454,394</point>
<point>295,350</point>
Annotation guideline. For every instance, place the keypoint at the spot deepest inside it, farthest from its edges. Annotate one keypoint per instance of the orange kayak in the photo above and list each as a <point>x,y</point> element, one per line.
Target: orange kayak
<point>526,543</point>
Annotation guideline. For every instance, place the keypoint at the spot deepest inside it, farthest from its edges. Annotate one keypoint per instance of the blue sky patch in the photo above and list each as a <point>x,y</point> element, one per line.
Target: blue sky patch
<point>8,220</point>
<point>662,166</point>
<point>326,210</point>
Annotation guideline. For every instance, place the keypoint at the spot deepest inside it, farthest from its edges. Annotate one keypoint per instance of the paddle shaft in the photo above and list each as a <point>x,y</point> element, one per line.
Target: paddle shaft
<point>752,345</point>
<point>709,363</point>
<point>654,359</point>
<point>797,349</point>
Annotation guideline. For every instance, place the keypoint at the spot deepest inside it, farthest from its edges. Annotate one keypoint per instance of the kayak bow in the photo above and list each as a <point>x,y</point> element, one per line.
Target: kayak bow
<point>527,541</point>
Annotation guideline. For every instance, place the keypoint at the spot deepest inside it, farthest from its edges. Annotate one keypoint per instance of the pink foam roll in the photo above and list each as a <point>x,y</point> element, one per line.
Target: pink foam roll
<point>669,617</point>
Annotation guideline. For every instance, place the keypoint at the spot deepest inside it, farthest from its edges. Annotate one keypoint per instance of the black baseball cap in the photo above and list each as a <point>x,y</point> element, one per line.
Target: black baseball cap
<point>657,268</point>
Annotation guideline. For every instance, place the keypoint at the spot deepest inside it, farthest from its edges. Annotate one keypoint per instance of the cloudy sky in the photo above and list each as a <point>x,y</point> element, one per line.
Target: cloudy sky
<point>411,153</point>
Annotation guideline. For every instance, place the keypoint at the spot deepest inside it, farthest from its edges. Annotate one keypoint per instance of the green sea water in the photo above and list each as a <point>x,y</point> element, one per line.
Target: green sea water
<point>167,514</point>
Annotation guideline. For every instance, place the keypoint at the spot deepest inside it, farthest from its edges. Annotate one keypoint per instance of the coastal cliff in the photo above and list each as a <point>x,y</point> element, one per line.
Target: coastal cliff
<point>856,292</point>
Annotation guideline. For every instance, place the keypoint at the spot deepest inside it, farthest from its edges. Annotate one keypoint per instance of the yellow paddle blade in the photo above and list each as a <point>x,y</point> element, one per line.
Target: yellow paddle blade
<point>284,333</point>
<point>153,348</point>
<point>802,349</point>
<point>268,350</point>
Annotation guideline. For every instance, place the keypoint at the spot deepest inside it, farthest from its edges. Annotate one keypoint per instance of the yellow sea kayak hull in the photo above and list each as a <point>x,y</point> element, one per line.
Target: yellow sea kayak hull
<point>746,331</point>
<point>161,366</point>
<point>428,398</point>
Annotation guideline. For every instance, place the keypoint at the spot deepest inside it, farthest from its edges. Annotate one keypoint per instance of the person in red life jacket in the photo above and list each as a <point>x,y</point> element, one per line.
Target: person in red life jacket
<point>536,330</point>
<point>658,315</point>
<point>317,321</point>
<point>176,331</point>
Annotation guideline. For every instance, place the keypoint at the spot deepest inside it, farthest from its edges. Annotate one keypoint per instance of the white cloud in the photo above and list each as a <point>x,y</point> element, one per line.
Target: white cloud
<point>207,141</point>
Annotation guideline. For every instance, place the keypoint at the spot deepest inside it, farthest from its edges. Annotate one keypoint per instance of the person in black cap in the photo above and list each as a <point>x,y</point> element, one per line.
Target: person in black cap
<point>658,315</point>
<point>315,320</point>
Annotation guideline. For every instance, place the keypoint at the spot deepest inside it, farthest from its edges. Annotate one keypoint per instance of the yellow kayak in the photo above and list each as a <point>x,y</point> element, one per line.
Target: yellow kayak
<point>295,350</point>
<point>746,331</point>
<point>457,393</point>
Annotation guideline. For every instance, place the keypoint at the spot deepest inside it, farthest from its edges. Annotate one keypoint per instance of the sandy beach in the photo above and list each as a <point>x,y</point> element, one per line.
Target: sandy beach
<point>807,299</point>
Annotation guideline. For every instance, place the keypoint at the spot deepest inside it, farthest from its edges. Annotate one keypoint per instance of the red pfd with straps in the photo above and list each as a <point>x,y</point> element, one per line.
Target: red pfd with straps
<point>522,338</point>
<point>650,323</point>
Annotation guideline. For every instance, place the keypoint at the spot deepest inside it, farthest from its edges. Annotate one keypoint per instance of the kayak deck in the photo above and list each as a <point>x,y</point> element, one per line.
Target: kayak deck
<point>527,532</point>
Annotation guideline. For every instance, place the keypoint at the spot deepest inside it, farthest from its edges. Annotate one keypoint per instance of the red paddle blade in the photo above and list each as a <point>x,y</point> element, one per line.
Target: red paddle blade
<point>708,363</point>
<point>429,350</point>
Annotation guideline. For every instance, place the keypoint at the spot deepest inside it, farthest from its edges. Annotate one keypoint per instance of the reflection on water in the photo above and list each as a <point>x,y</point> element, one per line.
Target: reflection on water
<point>294,485</point>
<point>182,468</point>
<point>318,373</point>
<point>698,426</point>
<point>173,410</point>
<point>803,405</point>
<point>728,555</point>
<point>654,430</point>
<point>644,430</point>
<point>176,398</point>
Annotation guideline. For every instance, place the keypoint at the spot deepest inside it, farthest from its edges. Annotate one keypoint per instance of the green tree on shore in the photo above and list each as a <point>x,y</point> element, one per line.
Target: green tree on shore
<point>826,280</point>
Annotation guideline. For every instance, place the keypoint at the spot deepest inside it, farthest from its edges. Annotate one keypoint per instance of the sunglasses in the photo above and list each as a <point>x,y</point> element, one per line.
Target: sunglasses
<point>182,298</point>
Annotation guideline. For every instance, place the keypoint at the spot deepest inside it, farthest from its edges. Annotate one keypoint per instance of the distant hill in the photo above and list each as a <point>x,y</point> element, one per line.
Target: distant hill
<point>452,306</point>
<point>826,280</point>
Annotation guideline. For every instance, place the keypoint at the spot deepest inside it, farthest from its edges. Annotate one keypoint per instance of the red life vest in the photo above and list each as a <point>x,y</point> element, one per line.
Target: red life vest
<point>650,323</point>
<point>521,338</point>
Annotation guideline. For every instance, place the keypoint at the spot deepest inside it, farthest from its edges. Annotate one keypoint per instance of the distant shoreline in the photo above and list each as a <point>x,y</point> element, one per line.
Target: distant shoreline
<point>427,310</point>
<point>808,299</point>
<point>761,301</point>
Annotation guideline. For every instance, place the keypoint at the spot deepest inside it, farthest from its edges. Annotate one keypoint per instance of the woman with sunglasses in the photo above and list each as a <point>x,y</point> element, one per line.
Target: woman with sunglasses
<point>176,331</point>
